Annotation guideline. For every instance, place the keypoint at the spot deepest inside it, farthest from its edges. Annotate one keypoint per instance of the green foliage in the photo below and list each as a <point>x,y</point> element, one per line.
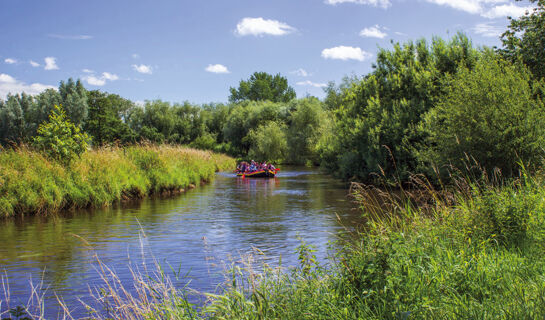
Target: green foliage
<point>379,118</point>
<point>489,114</point>
<point>74,101</point>
<point>262,86</point>
<point>160,122</point>
<point>248,116</point>
<point>215,117</point>
<point>207,141</point>
<point>268,142</point>
<point>525,39</point>
<point>305,255</point>
<point>60,139</point>
<point>12,121</point>
<point>104,123</point>
<point>305,129</point>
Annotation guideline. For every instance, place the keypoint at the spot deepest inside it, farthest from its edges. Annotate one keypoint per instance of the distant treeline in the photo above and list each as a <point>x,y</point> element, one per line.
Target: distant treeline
<point>427,107</point>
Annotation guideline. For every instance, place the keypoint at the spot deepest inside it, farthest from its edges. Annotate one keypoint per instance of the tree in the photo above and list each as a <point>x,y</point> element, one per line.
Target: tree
<point>488,114</point>
<point>45,102</point>
<point>61,139</point>
<point>104,122</point>
<point>525,39</point>
<point>74,101</point>
<point>12,121</point>
<point>304,130</point>
<point>268,142</point>
<point>263,86</point>
<point>248,115</point>
<point>379,118</point>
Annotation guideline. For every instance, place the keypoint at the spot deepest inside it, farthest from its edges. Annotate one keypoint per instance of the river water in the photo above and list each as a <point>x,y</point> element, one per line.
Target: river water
<point>196,233</point>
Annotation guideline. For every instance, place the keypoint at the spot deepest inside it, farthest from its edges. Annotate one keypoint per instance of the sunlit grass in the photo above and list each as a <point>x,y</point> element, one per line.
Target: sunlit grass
<point>32,183</point>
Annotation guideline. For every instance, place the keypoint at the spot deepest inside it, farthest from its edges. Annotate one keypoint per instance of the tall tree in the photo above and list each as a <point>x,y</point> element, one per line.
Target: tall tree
<point>104,123</point>
<point>263,86</point>
<point>525,39</point>
<point>12,121</point>
<point>74,100</point>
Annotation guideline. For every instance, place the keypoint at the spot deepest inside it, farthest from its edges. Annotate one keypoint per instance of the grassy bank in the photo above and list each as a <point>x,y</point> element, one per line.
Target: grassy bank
<point>32,183</point>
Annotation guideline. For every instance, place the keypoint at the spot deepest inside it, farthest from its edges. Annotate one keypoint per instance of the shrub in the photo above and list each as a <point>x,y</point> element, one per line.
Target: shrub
<point>61,139</point>
<point>488,114</point>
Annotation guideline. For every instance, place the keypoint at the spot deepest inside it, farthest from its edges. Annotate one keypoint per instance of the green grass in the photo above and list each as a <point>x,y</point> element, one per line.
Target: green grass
<point>33,183</point>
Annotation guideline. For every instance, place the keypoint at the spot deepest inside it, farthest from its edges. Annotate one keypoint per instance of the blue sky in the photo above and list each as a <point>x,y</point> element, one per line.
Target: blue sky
<point>179,50</point>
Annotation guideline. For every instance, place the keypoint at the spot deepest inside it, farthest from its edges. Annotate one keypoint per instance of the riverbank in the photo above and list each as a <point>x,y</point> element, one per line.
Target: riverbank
<point>30,183</point>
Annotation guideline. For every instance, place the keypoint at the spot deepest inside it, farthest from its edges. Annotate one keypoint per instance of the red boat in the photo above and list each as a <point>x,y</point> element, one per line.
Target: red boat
<point>258,174</point>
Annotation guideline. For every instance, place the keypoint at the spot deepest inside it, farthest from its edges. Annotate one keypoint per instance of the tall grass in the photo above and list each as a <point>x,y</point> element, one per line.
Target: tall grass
<point>32,183</point>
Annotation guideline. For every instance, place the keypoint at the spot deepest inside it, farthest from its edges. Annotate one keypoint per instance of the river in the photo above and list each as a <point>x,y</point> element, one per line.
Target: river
<point>196,233</point>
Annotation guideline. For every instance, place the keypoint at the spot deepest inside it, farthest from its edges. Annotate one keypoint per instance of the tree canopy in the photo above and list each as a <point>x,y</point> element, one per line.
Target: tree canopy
<point>525,39</point>
<point>263,86</point>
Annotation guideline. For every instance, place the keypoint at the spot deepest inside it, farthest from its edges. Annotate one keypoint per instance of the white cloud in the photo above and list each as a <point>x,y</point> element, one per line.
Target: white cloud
<point>51,63</point>
<point>506,10</point>
<point>70,37</point>
<point>345,53</point>
<point>300,72</point>
<point>486,8</point>
<point>99,81</point>
<point>8,84</point>
<point>135,56</point>
<point>94,81</point>
<point>217,68</point>
<point>376,3</point>
<point>10,61</point>
<point>34,63</point>
<point>311,84</point>
<point>110,76</point>
<point>470,6</point>
<point>373,32</point>
<point>88,71</point>
<point>143,68</point>
<point>488,30</point>
<point>260,26</point>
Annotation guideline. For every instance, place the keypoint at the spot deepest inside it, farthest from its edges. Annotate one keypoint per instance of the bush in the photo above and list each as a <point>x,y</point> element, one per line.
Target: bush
<point>61,139</point>
<point>488,114</point>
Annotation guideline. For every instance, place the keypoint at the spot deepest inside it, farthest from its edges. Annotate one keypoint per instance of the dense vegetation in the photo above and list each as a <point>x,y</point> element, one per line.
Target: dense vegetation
<point>33,183</point>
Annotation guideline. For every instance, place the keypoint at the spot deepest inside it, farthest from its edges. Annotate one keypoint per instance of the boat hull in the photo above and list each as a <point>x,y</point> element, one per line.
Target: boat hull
<point>258,174</point>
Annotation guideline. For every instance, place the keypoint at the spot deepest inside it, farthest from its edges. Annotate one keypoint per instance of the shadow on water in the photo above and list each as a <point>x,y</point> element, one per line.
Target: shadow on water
<point>195,233</point>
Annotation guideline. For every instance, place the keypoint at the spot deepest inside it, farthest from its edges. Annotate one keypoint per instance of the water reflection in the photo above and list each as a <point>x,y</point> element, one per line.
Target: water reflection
<point>194,232</point>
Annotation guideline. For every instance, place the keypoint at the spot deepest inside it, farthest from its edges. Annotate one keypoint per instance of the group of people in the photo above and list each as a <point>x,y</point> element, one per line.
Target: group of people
<point>245,167</point>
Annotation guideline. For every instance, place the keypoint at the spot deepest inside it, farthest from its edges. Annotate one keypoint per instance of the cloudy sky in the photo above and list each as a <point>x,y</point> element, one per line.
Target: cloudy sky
<point>179,50</point>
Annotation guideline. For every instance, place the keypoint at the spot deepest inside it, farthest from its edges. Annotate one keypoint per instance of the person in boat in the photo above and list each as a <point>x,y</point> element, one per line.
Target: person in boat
<point>253,166</point>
